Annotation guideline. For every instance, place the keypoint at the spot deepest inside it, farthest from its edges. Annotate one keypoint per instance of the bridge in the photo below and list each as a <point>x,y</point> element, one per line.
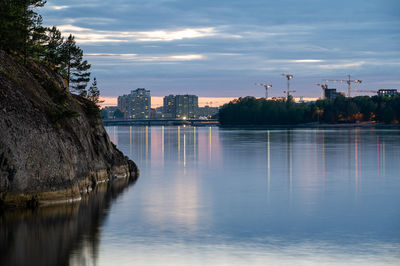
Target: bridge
<point>160,122</point>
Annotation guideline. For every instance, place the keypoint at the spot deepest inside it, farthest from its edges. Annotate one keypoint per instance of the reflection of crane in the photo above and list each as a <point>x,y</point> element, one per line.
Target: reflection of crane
<point>289,77</point>
<point>266,86</point>
<point>348,81</point>
<point>324,87</point>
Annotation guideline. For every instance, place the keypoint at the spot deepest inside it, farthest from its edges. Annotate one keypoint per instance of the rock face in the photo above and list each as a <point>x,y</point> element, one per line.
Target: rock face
<point>53,145</point>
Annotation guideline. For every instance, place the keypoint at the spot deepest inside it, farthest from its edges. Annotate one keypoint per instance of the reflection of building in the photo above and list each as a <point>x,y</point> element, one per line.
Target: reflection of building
<point>136,105</point>
<point>331,94</point>
<point>388,92</point>
<point>207,111</point>
<point>181,106</point>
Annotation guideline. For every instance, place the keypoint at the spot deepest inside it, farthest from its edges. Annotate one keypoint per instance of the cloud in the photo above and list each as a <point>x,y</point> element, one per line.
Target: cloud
<point>147,58</point>
<point>87,35</point>
<point>220,46</point>
<point>306,61</point>
<point>342,65</point>
<point>56,7</point>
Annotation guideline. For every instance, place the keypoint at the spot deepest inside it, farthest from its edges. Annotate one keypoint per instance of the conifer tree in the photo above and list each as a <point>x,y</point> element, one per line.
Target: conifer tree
<point>21,28</point>
<point>34,34</point>
<point>11,25</point>
<point>76,69</point>
<point>94,92</point>
<point>53,48</point>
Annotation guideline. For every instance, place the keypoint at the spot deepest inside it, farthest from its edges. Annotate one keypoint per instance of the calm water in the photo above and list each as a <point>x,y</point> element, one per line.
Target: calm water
<point>210,196</point>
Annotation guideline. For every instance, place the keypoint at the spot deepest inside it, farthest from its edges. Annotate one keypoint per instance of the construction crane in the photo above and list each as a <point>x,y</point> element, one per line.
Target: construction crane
<point>288,93</point>
<point>266,86</point>
<point>289,77</point>
<point>324,87</point>
<point>348,81</point>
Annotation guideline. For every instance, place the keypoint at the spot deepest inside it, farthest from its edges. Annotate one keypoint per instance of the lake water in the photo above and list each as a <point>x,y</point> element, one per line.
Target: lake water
<point>213,196</point>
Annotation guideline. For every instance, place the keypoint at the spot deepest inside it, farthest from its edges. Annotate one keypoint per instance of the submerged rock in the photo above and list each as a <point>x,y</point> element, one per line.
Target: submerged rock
<point>53,145</point>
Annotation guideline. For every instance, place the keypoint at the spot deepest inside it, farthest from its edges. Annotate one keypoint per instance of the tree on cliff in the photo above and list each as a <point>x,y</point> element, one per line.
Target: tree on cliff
<point>22,33</point>
<point>76,69</point>
<point>53,48</point>
<point>94,92</point>
<point>21,27</point>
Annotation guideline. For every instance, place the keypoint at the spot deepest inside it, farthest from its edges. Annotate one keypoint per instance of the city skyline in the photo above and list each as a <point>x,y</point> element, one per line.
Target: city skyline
<point>157,101</point>
<point>222,49</point>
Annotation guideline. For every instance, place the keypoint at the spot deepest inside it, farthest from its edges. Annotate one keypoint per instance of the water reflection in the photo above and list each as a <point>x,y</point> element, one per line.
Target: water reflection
<point>183,144</point>
<point>210,196</point>
<point>237,196</point>
<point>57,235</point>
<point>268,160</point>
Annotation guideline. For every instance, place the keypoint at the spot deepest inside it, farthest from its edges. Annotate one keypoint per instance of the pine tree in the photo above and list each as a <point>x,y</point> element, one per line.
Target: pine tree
<point>76,71</point>
<point>53,48</point>
<point>94,92</point>
<point>11,25</point>
<point>21,28</point>
<point>35,33</point>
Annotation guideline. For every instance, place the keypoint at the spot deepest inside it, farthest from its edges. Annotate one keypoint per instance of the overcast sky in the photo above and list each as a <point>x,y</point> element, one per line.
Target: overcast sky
<point>221,48</point>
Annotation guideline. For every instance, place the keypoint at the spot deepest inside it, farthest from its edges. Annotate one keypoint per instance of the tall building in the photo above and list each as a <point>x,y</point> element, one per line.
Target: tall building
<point>123,104</point>
<point>186,106</point>
<point>169,106</point>
<point>136,105</point>
<point>181,106</point>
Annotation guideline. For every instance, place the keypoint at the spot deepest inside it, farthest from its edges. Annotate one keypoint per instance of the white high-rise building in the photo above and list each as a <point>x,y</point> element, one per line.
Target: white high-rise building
<point>136,105</point>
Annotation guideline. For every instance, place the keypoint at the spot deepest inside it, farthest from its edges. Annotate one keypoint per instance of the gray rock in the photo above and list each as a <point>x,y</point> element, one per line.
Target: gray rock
<point>53,145</point>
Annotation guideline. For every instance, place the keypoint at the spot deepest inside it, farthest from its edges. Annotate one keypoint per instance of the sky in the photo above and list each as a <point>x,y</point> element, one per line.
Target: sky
<point>222,48</point>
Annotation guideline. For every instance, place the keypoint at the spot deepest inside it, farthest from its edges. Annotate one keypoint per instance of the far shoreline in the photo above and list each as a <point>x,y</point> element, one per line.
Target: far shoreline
<point>313,125</point>
<point>266,126</point>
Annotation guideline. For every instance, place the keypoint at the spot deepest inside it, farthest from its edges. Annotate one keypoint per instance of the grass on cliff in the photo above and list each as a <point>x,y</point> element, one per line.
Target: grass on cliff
<point>57,113</point>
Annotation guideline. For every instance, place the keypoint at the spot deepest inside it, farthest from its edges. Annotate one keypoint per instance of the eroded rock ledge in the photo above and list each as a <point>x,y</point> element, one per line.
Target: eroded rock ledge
<point>53,145</point>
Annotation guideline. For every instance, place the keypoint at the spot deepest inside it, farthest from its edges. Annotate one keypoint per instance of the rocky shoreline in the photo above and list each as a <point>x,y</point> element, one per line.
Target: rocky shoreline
<point>53,145</point>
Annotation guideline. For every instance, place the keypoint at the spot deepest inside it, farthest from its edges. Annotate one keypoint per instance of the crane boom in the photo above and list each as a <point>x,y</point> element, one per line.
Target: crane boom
<point>348,81</point>
<point>266,86</point>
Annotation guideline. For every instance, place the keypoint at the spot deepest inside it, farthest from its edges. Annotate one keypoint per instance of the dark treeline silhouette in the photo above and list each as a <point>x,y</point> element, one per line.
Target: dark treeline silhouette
<point>22,35</point>
<point>252,111</point>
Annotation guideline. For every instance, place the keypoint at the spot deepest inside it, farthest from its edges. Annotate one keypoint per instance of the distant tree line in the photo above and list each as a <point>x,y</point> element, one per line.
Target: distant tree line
<point>22,34</point>
<point>252,111</point>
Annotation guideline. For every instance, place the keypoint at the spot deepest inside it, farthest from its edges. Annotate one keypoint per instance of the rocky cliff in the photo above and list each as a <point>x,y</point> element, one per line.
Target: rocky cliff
<point>53,145</point>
